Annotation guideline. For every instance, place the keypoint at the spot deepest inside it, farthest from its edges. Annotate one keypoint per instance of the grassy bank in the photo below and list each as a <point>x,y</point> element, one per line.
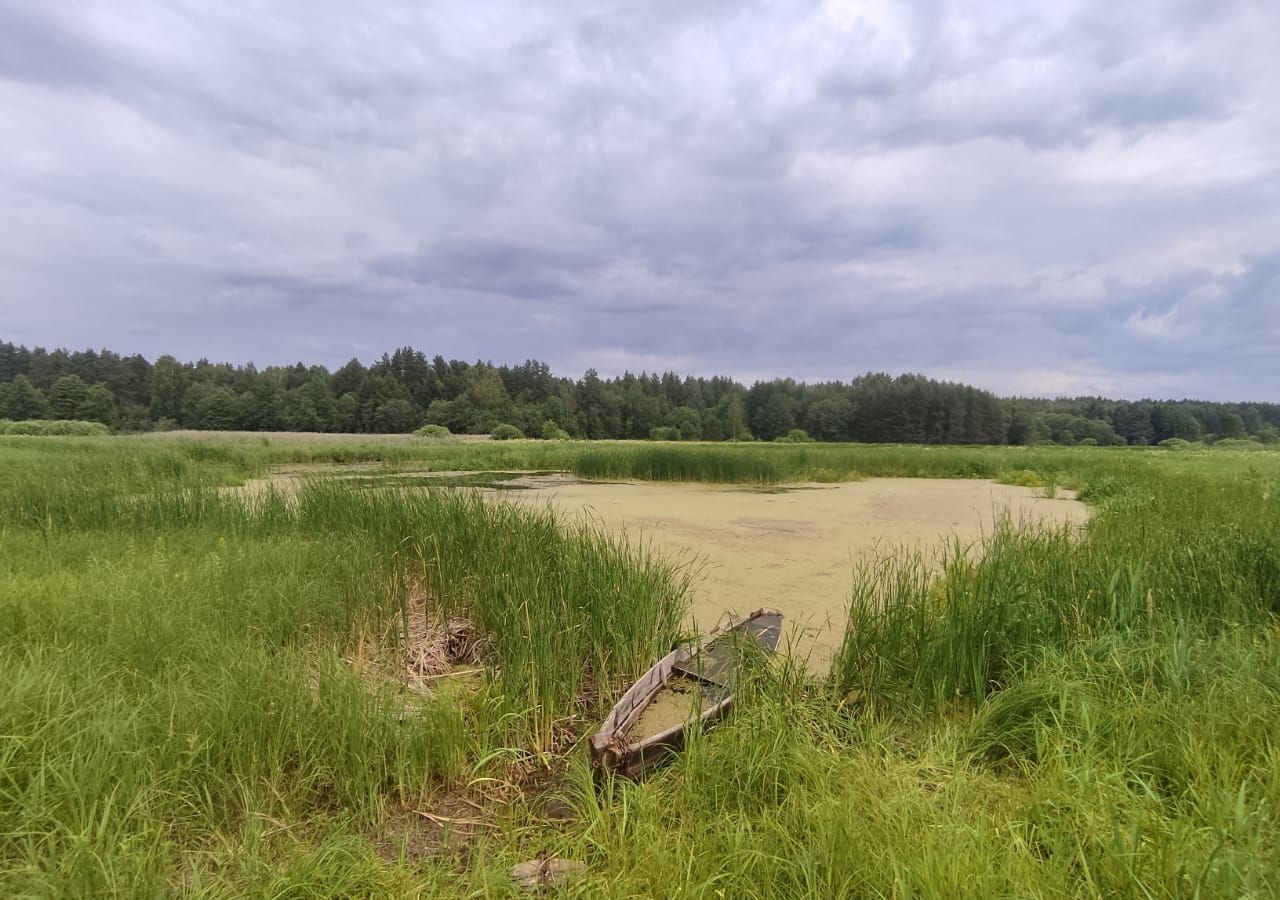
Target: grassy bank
<point>193,690</point>
<point>246,454</point>
<point>177,664</point>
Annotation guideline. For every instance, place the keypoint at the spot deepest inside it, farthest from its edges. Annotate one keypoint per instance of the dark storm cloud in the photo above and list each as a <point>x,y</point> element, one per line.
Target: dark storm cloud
<point>1077,196</point>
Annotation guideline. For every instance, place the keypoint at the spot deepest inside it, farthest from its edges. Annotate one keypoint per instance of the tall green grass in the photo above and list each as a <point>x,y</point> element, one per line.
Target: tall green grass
<point>1163,548</point>
<point>158,689</point>
<point>565,610</point>
<point>1122,768</point>
<point>230,460</point>
<point>172,657</point>
<point>1055,713</point>
<point>660,463</point>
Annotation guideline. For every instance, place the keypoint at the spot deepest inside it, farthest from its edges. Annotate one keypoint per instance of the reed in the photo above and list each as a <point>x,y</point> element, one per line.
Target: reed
<point>927,631</point>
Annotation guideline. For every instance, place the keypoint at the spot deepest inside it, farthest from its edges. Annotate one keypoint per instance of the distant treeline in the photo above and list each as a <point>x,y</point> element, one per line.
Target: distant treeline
<point>405,390</point>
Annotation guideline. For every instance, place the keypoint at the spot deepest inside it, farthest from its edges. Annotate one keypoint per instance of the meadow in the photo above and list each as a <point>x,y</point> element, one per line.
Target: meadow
<point>202,691</point>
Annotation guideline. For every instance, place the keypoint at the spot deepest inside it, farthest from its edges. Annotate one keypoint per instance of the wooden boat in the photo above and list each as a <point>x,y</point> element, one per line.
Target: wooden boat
<point>704,673</point>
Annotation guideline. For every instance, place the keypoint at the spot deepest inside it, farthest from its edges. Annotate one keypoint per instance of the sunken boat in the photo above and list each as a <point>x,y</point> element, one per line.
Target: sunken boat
<point>691,687</point>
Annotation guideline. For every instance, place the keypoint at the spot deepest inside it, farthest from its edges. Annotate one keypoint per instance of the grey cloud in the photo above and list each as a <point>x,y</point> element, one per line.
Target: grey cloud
<point>1034,197</point>
<point>511,268</point>
<point>36,47</point>
<point>1204,317</point>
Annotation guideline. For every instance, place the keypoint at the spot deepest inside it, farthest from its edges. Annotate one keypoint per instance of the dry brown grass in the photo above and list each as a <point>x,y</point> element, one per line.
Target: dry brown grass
<point>418,649</point>
<point>433,644</point>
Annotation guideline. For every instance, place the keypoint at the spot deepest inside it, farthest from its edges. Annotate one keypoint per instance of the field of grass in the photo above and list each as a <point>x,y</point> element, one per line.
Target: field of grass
<point>193,700</point>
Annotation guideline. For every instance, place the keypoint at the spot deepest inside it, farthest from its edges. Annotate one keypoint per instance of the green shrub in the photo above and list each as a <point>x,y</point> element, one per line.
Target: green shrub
<point>506,432</point>
<point>1174,444</point>
<point>433,431</point>
<point>794,436</point>
<point>1236,444</point>
<point>551,431</point>
<point>664,433</point>
<point>53,427</point>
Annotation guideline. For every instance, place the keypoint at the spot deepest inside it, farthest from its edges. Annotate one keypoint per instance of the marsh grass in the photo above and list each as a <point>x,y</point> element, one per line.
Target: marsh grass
<point>659,463</point>
<point>172,663</point>
<point>135,725</point>
<point>1056,713</point>
<point>566,611</point>
<point>1118,768</point>
<point>1147,560</point>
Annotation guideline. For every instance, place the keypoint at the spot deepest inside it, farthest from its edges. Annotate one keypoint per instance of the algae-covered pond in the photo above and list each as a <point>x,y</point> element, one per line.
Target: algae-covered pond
<point>792,547</point>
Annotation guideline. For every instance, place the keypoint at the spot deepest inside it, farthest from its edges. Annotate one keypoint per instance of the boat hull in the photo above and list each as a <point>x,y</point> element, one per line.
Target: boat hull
<point>615,750</point>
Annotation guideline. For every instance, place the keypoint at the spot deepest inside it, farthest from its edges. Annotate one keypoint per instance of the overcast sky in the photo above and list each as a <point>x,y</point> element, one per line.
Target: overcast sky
<point>1039,198</point>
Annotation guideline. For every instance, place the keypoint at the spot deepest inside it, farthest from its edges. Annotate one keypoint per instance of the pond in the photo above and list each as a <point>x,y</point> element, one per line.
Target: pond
<point>793,548</point>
